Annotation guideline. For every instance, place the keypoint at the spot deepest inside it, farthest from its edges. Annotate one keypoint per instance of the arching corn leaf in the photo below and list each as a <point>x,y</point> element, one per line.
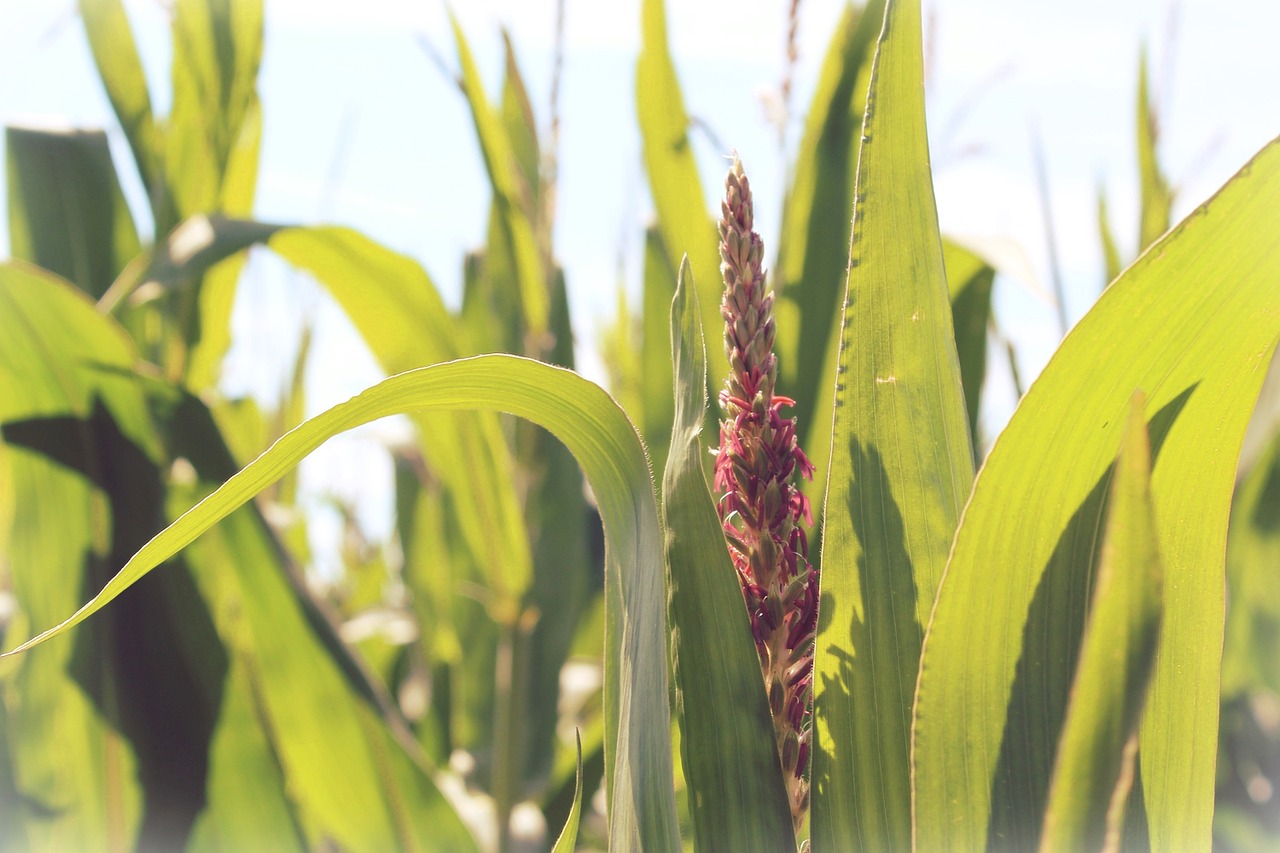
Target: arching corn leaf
<point>1193,322</point>
<point>579,413</point>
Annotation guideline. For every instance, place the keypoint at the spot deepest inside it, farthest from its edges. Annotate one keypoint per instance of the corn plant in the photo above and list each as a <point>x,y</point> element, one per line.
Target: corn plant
<point>1023,657</point>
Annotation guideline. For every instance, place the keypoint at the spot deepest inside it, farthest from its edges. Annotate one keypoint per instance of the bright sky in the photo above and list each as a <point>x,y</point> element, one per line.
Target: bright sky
<point>362,128</point>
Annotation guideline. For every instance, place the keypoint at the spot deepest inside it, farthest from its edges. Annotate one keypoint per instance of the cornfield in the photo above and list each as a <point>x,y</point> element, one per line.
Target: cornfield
<point>1067,638</point>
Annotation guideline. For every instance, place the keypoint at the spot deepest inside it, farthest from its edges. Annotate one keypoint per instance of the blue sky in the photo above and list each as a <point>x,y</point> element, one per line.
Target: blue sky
<point>362,128</point>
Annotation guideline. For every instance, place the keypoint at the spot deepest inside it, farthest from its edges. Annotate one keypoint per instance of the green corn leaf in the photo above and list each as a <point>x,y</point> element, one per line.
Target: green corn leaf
<point>45,346</point>
<point>970,280</point>
<point>350,775</point>
<point>1251,657</point>
<point>730,760</point>
<point>217,47</point>
<point>247,806</point>
<point>568,840</point>
<point>500,161</point>
<point>116,55</point>
<point>621,348</point>
<point>558,523</point>
<point>86,460</point>
<point>217,291</point>
<point>1156,195</point>
<point>656,379</point>
<point>1194,322</point>
<point>522,130</point>
<point>398,311</point>
<point>564,786</point>
<point>1251,652</point>
<point>579,413</point>
<point>686,227</point>
<point>211,143</point>
<point>395,306</point>
<point>491,300</point>
<point>66,211</point>
<point>1110,252</point>
<point>901,465</point>
<point>812,264</point>
<point>1094,768</point>
<point>290,713</point>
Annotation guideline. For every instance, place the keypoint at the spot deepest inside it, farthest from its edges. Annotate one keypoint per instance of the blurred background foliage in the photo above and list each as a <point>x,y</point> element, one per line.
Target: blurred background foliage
<point>427,696</point>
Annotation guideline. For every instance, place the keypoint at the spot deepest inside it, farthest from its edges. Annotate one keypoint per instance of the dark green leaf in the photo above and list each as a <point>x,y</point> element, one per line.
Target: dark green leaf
<point>66,211</point>
<point>516,227</point>
<point>116,55</point>
<point>568,840</point>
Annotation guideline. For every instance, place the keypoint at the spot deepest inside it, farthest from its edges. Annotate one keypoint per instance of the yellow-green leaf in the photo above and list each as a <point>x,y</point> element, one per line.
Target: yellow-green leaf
<point>579,413</point>
<point>516,228</point>
<point>1094,768</point>
<point>812,268</point>
<point>1194,322</point>
<point>901,466</point>
<point>686,226</point>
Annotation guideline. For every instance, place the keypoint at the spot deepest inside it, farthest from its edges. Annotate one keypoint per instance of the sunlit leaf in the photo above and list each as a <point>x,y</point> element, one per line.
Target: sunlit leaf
<point>642,807</point>
<point>901,466</point>
<point>217,49</point>
<point>516,229</point>
<point>1193,322</point>
<point>970,280</point>
<point>813,263</point>
<point>559,525</point>
<point>85,459</point>
<point>1111,265</point>
<point>656,379</point>
<point>1156,195</point>
<point>331,734</point>
<point>396,308</point>
<point>1094,768</point>
<point>116,55</point>
<point>683,218</point>
<point>95,798</point>
<point>1251,658</point>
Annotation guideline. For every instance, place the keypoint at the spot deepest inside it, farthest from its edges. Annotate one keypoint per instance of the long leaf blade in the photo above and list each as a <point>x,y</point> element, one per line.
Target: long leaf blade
<point>901,465</point>
<point>67,213</point>
<point>568,840</point>
<point>1093,771</point>
<point>1194,322</point>
<point>812,267</point>
<point>686,226</point>
<point>503,169</point>
<point>642,801</point>
<point>116,55</point>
